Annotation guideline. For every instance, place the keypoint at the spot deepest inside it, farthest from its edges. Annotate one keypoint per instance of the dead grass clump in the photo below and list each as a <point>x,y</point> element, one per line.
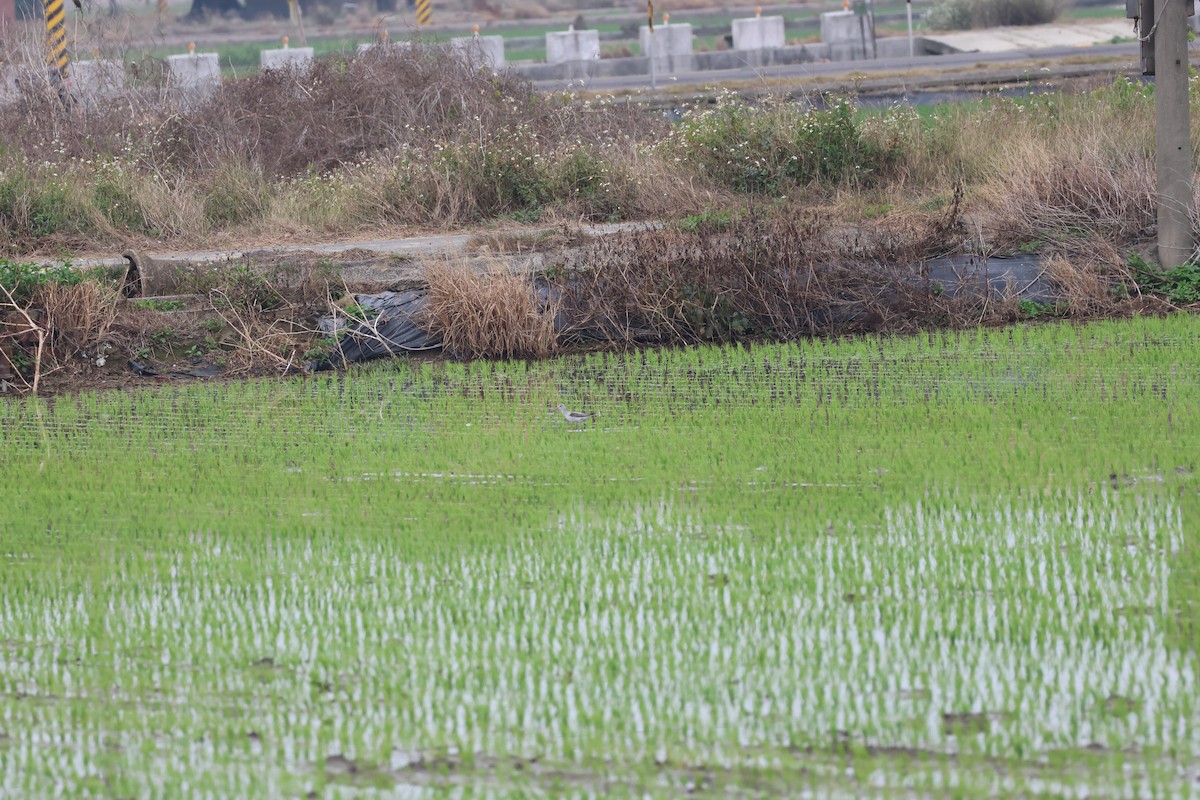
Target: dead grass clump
<point>77,317</point>
<point>493,313</point>
<point>664,191</point>
<point>235,194</point>
<point>45,322</point>
<point>1092,279</point>
<point>1047,193</point>
<point>777,276</point>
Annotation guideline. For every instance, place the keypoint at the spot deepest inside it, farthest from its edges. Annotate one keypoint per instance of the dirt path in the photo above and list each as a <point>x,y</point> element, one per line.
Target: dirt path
<point>395,260</point>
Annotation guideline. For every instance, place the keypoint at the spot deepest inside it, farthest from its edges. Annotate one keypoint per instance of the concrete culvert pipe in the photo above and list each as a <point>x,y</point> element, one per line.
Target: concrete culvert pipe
<point>144,277</point>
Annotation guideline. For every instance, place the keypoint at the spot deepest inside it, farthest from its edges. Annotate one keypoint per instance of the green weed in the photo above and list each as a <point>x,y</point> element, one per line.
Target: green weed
<point>156,304</point>
<point>1180,285</point>
<point>21,279</point>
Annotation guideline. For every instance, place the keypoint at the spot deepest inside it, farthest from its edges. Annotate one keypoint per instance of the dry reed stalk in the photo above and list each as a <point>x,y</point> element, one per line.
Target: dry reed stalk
<point>1049,187</point>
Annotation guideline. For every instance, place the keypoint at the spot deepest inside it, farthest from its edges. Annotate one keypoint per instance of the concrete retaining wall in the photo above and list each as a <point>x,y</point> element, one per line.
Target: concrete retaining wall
<point>196,77</point>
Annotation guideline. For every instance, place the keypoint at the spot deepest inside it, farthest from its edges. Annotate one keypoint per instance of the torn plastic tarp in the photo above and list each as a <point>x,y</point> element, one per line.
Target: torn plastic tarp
<point>147,370</point>
<point>393,328</point>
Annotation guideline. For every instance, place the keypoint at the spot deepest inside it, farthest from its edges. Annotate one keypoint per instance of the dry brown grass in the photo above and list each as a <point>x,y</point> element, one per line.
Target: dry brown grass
<point>1091,278</point>
<point>57,323</point>
<point>398,137</point>
<point>664,191</point>
<point>488,313</point>
<point>781,274</point>
<point>76,317</point>
<point>1041,191</point>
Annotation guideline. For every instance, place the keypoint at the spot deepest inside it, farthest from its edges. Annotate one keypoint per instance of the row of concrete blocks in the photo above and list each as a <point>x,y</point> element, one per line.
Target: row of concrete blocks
<point>195,77</point>
<point>757,41</point>
<point>891,47</point>
<point>674,42</point>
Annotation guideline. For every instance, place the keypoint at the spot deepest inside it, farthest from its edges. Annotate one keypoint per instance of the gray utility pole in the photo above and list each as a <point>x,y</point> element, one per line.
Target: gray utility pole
<point>1173,147</point>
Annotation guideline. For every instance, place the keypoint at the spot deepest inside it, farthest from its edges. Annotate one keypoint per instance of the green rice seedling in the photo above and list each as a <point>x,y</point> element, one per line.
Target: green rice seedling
<point>958,563</point>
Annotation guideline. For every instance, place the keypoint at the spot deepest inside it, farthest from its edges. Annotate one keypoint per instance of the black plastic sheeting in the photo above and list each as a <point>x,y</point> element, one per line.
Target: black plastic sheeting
<point>394,328</point>
<point>1019,275</point>
<point>395,324</point>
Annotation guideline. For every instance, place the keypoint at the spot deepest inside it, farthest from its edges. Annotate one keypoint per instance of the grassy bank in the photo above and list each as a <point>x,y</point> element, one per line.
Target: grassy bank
<point>953,563</point>
<point>416,140</point>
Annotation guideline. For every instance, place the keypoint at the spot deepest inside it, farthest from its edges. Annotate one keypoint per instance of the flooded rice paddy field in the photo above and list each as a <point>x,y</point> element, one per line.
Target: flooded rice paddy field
<point>959,564</point>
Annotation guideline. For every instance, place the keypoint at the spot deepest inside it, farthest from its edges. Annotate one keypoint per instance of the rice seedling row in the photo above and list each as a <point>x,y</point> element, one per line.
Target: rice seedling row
<point>958,563</point>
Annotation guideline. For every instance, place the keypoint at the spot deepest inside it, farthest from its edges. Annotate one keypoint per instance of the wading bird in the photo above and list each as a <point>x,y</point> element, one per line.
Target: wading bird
<point>574,417</point>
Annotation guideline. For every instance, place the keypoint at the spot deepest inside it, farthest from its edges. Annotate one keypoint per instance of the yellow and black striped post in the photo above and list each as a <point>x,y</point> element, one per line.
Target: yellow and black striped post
<point>424,12</point>
<point>56,35</point>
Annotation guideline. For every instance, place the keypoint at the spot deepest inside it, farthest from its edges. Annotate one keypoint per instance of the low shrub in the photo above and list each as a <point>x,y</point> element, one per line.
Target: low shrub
<point>763,150</point>
<point>236,193</point>
<point>34,207</point>
<point>594,184</point>
<point>21,280</point>
<point>116,203</point>
<point>974,14</point>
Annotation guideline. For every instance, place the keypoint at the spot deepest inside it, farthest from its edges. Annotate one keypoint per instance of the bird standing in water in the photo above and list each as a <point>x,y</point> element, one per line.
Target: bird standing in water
<point>574,417</point>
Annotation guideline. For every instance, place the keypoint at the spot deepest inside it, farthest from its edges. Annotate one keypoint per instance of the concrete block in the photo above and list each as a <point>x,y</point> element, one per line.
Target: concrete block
<point>195,77</point>
<point>672,46</point>
<point>18,81</point>
<point>849,37</point>
<point>481,51</point>
<point>10,89</point>
<point>297,58</point>
<point>92,82</point>
<point>363,49</point>
<point>840,27</point>
<point>755,33</point>
<point>567,46</point>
